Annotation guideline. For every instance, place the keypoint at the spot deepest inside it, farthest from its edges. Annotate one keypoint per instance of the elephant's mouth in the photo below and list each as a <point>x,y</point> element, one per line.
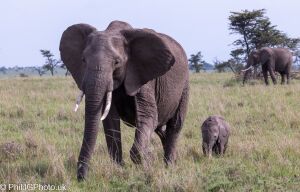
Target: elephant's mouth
<point>105,108</point>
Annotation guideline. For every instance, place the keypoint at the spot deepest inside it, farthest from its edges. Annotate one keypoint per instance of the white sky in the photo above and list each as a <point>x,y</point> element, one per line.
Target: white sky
<point>26,26</point>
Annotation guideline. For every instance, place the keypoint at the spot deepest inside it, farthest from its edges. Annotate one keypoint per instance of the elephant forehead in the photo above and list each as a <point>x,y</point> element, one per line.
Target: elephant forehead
<point>103,40</point>
<point>211,125</point>
<point>97,37</point>
<point>214,128</point>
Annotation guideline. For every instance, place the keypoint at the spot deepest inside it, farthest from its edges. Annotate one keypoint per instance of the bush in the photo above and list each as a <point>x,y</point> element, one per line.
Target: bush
<point>23,75</point>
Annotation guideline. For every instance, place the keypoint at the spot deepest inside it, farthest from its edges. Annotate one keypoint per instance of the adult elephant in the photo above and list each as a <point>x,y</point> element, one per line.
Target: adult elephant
<point>137,75</point>
<point>271,59</point>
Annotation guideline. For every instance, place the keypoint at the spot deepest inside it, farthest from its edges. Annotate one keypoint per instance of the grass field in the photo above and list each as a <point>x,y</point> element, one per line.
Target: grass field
<point>29,71</point>
<point>40,138</point>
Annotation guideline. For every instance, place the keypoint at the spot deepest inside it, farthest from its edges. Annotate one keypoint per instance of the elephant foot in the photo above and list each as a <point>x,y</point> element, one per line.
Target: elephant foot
<point>170,159</point>
<point>146,156</point>
<point>150,157</point>
<point>120,163</point>
<point>81,171</point>
<point>135,155</point>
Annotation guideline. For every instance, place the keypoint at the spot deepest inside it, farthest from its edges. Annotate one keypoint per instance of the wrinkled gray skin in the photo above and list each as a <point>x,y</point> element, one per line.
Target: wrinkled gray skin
<point>148,75</point>
<point>271,59</point>
<point>215,133</point>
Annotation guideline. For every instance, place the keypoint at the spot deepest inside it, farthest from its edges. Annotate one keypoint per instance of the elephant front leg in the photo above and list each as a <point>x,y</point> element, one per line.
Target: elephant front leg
<point>221,149</point>
<point>210,149</point>
<point>146,122</point>
<point>205,148</point>
<point>265,73</point>
<point>112,132</point>
<point>272,74</point>
<point>139,150</point>
<point>225,147</point>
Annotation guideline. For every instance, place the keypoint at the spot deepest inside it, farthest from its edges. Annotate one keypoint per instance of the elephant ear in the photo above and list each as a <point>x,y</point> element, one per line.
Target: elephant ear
<point>71,46</point>
<point>149,58</point>
<point>224,128</point>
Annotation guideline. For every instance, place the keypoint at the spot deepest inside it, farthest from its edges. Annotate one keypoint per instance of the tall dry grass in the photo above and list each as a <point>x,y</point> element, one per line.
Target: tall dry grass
<point>40,139</point>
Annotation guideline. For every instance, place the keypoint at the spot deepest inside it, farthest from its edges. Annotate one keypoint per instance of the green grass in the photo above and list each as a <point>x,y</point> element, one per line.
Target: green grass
<point>263,152</point>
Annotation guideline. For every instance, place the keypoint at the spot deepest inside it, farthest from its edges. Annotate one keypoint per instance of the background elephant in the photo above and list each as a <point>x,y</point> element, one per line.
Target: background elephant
<point>136,75</point>
<point>215,133</point>
<point>271,59</point>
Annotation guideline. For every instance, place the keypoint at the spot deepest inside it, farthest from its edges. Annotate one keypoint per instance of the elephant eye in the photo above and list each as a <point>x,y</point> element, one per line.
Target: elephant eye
<point>117,61</point>
<point>83,59</point>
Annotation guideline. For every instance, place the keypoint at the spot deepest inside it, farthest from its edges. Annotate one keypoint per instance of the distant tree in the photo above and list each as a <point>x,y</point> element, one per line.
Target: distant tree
<point>197,63</point>
<point>297,58</point>
<point>51,63</point>
<point>3,70</point>
<point>256,31</point>
<point>41,71</point>
<point>16,68</point>
<point>222,66</point>
<point>63,66</point>
<point>235,63</point>
<point>218,66</point>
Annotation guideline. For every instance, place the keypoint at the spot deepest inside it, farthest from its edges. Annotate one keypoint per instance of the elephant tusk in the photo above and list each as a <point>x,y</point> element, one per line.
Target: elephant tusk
<point>107,106</point>
<point>79,98</point>
<point>246,69</point>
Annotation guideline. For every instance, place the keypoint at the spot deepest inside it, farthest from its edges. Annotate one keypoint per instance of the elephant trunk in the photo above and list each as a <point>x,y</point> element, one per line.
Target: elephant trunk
<point>245,76</point>
<point>211,144</point>
<point>97,92</point>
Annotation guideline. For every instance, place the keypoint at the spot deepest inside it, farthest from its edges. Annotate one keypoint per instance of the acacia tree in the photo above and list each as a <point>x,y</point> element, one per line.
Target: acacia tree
<point>41,71</point>
<point>219,66</point>
<point>63,66</point>
<point>51,63</point>
<point>256,31</point>
<point>235,63</point>
<point>197,63</point>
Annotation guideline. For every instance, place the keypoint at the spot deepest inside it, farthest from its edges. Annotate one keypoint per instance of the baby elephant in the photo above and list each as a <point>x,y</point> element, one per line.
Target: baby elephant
<point>215,133</point>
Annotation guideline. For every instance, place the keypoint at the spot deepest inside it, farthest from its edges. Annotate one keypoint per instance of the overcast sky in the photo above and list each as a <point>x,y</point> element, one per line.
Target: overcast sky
<point>31,25</point>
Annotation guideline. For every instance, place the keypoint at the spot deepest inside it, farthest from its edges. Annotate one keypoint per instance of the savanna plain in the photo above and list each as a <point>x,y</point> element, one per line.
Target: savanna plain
<point>40,139</point>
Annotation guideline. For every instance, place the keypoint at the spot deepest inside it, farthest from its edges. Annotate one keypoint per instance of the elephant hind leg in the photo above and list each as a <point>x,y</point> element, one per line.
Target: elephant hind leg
<point>174,126</point>
<point>288,77</point>
<point>282,78</point>
<point>288,69</point>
